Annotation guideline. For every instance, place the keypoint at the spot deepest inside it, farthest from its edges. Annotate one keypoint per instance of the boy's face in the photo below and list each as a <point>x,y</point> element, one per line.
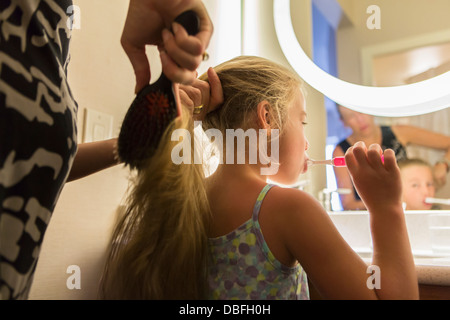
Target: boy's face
<point>418,185</point>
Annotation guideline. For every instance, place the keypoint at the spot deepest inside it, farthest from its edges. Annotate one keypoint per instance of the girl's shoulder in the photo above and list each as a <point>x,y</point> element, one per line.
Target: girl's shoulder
<point>290,220</point>
<point>290,198</point>
<point>291,205</point>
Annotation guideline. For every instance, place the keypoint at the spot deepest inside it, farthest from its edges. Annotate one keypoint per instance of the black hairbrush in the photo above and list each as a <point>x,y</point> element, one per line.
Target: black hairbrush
<point>152,111</point>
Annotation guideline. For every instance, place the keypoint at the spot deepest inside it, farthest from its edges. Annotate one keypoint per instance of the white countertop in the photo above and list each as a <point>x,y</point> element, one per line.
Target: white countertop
<point>432,268</point>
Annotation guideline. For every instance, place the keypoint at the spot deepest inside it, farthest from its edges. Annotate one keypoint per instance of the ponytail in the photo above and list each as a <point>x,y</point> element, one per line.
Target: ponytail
<point>160,247</point>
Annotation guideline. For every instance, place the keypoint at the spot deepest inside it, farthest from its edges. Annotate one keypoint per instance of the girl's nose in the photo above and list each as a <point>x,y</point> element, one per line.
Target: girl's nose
<point>426,191</point>
<point>307,145</point>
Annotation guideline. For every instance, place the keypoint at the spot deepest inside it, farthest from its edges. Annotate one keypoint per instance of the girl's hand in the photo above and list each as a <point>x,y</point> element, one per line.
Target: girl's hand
<point>202,97</point>
<point>378,184</point>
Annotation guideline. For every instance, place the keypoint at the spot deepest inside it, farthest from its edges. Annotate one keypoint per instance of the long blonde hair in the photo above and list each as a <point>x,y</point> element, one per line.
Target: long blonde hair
<point>160,246</point>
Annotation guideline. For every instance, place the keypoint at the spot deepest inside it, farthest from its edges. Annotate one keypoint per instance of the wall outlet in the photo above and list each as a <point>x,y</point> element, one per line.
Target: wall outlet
<point>97,126</point>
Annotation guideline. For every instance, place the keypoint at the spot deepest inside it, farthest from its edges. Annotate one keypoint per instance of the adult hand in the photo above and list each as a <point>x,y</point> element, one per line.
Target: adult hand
<point>209,95</point>
<point>440,174</point>
<point>148,23</point>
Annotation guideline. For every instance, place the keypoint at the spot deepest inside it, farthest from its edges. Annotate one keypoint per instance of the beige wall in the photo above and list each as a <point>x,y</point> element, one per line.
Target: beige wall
<point>400,20</point>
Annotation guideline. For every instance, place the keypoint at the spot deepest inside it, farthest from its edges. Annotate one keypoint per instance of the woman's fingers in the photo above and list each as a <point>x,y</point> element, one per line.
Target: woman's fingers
<point>172,70</point>
<point>140,64</point>
<point>195,94</point>
<point>216,90</point>
<point>185,50</point>
<point>205,94</point>
<point>186,99</point>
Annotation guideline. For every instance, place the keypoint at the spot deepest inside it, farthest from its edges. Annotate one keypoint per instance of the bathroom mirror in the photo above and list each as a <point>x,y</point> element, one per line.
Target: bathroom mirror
<point>386,53</point>
<point>385,43</point>
<point>409,99</point>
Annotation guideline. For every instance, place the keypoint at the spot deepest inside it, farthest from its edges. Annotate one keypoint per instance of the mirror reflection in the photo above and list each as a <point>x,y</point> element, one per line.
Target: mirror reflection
<point>381,42</point>
<point>386,43</point>
<point>419,182</point>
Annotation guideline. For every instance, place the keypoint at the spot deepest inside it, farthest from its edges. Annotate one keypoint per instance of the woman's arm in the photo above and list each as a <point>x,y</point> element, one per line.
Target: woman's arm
<point>425,138</point>
<point>421,137</point>
<point>93,157</point>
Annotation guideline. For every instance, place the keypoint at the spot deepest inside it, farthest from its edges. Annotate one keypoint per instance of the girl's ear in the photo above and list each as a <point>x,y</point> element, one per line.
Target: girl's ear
<point>263,115</point>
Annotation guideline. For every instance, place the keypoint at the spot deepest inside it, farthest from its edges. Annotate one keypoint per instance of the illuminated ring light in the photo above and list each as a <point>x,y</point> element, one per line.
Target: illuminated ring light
<point>407,100</point>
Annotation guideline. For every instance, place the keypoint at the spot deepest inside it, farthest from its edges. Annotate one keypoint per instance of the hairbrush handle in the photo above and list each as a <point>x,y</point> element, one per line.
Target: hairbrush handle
<point>190,22</point>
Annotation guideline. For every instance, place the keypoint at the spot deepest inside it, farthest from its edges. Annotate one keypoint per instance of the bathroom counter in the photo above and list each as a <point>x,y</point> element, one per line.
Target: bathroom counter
<point>433,271</point>
<point>426,229</point>
<point>433,276</point>
<point>429,232</point>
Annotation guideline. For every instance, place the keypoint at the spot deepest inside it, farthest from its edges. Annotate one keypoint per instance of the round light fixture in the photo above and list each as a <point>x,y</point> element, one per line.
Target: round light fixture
<point>408,100</point>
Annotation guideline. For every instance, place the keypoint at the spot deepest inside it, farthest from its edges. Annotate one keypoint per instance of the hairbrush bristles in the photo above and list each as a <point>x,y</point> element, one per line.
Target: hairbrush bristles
<point>145,122</point>
<point>152,111</point>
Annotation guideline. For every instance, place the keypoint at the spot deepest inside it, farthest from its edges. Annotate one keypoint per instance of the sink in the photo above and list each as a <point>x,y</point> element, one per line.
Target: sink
<point>429,232</point>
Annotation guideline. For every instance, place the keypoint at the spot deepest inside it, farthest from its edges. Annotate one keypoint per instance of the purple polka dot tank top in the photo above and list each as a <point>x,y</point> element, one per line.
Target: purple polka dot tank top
<point>244,268</point>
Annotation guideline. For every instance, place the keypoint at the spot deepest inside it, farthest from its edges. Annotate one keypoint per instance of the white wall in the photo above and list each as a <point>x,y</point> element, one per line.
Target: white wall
<point>262,27</point>
<point>400,20</point>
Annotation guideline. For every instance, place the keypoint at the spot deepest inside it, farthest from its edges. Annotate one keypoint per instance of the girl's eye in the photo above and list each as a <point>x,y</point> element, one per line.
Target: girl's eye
<point>304,123</point>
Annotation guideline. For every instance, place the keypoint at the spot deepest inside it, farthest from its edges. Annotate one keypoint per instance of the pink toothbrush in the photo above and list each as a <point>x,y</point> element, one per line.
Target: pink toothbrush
<point>335,162</point>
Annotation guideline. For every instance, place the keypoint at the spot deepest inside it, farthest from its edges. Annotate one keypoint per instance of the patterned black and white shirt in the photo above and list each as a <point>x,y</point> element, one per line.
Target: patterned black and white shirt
<point>38,135</point>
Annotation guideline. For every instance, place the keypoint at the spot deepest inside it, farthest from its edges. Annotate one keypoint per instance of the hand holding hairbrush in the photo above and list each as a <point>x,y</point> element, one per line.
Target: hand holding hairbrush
<point>152,111</point>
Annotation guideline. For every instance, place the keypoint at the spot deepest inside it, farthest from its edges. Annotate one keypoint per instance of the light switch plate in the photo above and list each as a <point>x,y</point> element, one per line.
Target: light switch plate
<point>97,126</point>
